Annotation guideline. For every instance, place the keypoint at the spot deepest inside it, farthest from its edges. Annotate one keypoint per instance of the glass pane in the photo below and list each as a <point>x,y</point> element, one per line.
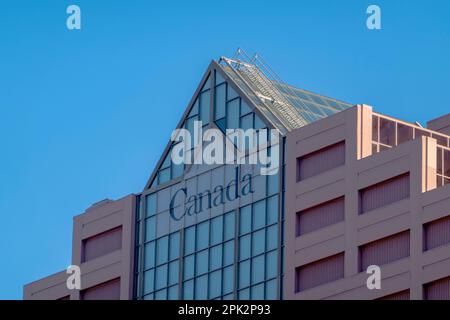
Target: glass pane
<point>272,184</point>
<point>188,290</point>
<point>387,132</point>
<point>177,170</point>
<point>150,229</point>
<point>447,163</point>
<point>174,246</point>
<point>244,294</point>
<point>228,280</point>
<point>149,297</point>
<point>259,124</point>
<point>244,247</point>
<point>271,265</point>
<point>164,176</point>
<point>149,277</point>
<point>245,220</point>
<point>258,292</point>
<point>207,84</point>
<point>201,288</point>
<point>202,235</point>
<point>231,94</point>
<point>194,110</point>
<point>216,230</point>
<point>271,290</point>
<point>162,250</point>
<point>215,284</point>
<point>258,269</point>
<point>272,237</point>
<point>233,114</point>
<point>244,274</point>
<point>189,240</point>
<point>149,261</point>
<point>259,243</point>
<point>221,124</point>
<point>151,205</point>
<point>245,109</point>
<point>215,257</point>
<point>404,133</point>
<point>166,162</point>
<point>204,107</point>
<point>228,254</point>
<point>220,102</point>
<point>161,277</point>
<point>174,272</point>
<point>219,78</point>
<point>201,262</point>
<point>229,226</point>
<point>259,214</point>
<point>173,293</point>
<point>375,129</point>
<point>247,122</point>
<point>189,264</point>
<point>161,295</point>
<point>272,210</point>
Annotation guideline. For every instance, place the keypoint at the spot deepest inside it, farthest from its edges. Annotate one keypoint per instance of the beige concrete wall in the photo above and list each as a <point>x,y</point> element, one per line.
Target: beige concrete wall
<point>426,203</point>
<point>99,218</point>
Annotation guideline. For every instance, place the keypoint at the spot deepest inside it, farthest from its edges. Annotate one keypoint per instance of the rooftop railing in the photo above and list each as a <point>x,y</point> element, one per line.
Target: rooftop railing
<point>388,132</point>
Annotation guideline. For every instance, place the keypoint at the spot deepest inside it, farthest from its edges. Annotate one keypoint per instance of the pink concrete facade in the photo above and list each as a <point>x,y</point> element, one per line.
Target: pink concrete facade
<point>103,248</point>
<point>391,188</point>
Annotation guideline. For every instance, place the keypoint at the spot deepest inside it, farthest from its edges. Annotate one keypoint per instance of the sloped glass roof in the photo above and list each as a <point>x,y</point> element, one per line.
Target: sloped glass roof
<point>286,106</point>
<point>312,106</point>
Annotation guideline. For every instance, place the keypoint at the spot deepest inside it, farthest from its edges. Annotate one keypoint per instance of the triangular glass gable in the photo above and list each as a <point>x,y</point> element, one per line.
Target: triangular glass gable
<point>230,111</point>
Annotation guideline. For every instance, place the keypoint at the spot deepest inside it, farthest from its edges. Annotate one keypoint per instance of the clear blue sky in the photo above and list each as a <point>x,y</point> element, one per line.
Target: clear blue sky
<point>84,115</point>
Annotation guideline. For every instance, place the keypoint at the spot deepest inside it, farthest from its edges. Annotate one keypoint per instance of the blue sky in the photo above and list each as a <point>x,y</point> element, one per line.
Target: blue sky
<point>78,108</point>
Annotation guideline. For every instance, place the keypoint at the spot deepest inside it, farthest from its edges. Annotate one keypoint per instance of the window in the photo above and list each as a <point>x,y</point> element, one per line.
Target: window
<point>174,270</point>
<point>320,272</point>
<point>384,193</point>
<point>384,251</point>
<point>229,226</point>
<point>151,205</point>
<point>201,288</point>
<point>150,228</point>
<point>258,240</point>
<point>216,230</point>
<point>189,240</point>
<point>161,277</point>
<point>244,274</point>
<point>320,161</point>
<point>215,257</point>
<point>109,290</point>
<point>174,246</point>
<point>202,235</point>
<point>437,290</point>
<point>102,244</point>
<point>402,295</point>
<point>320,216</point>
<point>189,267</point>
<point>259,214</point>
<point>437,233</point>
<point>162,246</point>
<point>149,261</point>
<point>244,247</point>
<point>228,280</point>
<point>149,278</point>
<point>215,288</point>
<point>245,221</point>
<point>202,262</point>
<point>258,269</point>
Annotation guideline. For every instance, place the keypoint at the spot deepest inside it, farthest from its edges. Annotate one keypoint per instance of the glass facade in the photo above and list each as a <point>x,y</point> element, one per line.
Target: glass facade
<point>231,249</point>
